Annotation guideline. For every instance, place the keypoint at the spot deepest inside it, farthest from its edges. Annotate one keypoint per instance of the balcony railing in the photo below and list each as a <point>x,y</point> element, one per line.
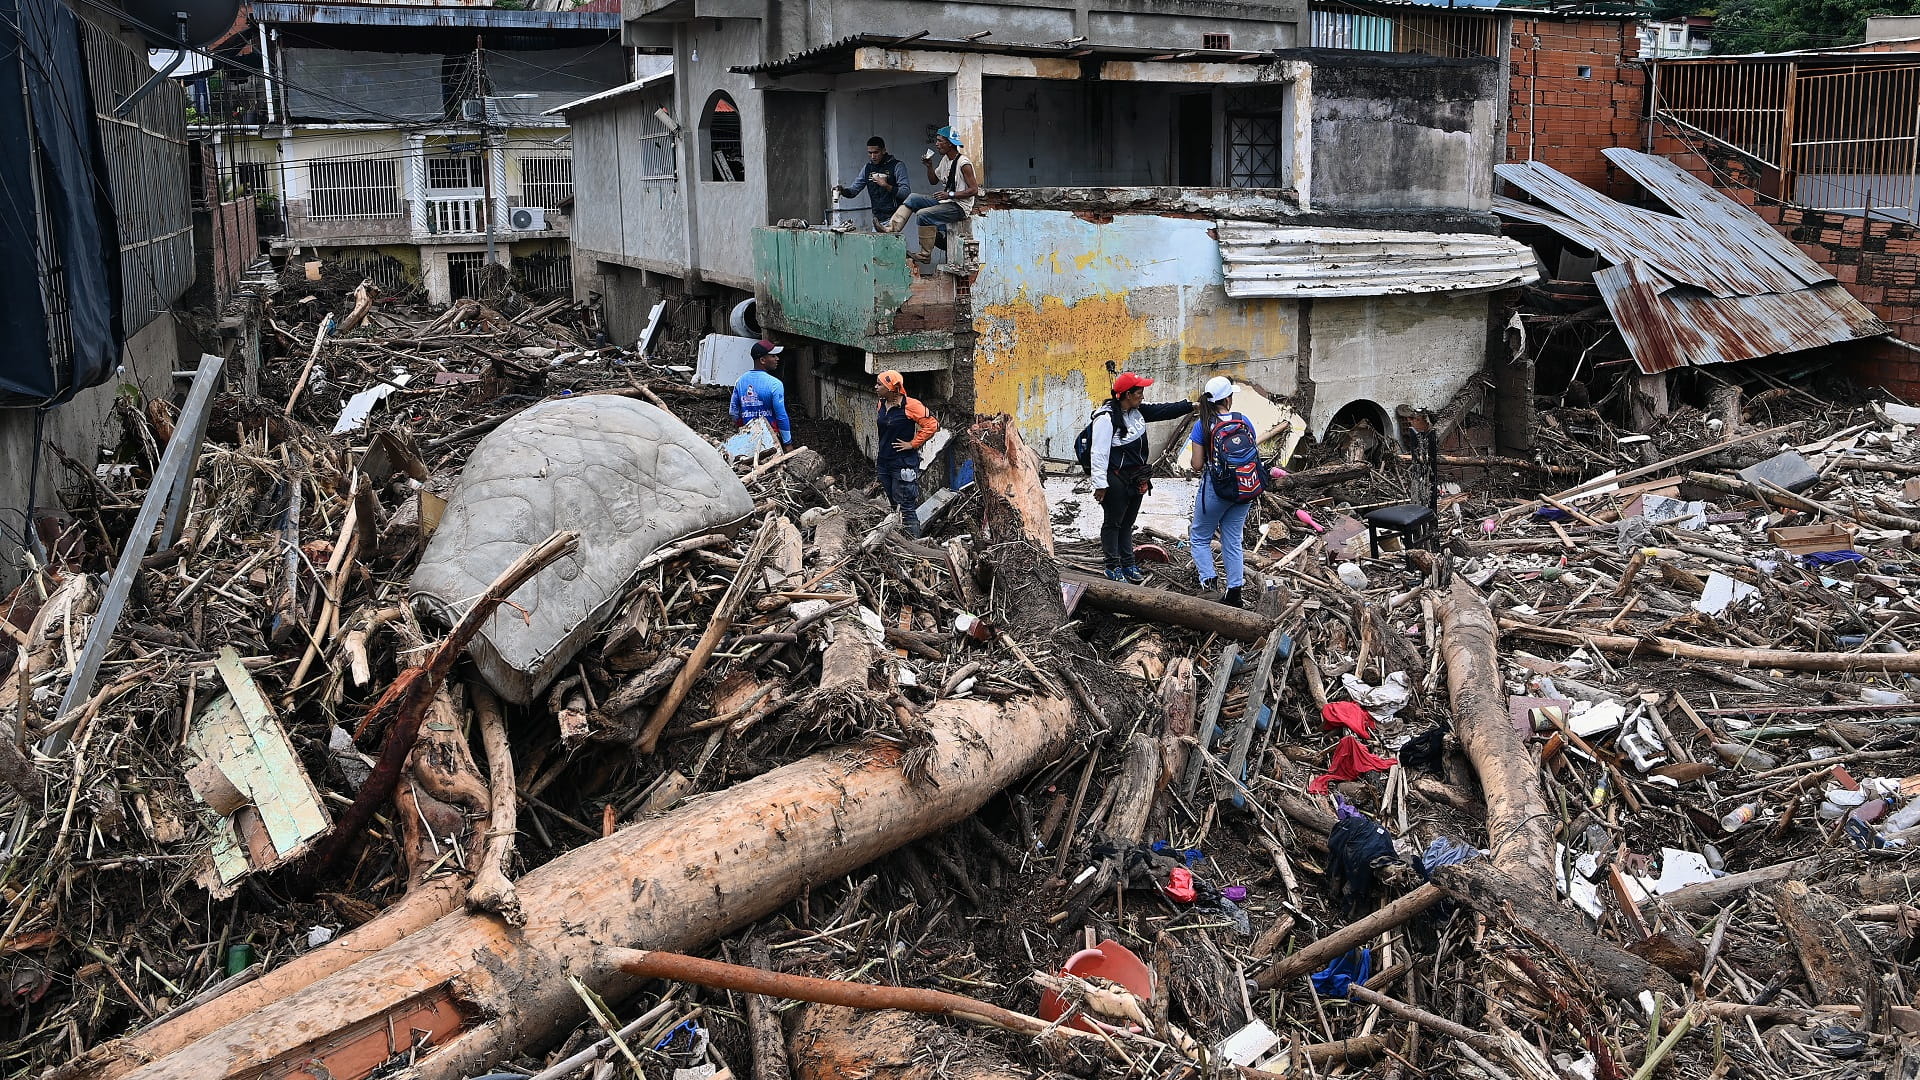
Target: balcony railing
<point>457,215</point>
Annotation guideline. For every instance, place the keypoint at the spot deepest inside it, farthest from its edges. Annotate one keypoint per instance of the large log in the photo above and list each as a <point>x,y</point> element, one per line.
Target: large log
<point>1519,828</point>
<point>414,911</point>
<point>1164,606</point>
<point>483,989</point>
<point>1009,472</point>
<point>1541,917</point>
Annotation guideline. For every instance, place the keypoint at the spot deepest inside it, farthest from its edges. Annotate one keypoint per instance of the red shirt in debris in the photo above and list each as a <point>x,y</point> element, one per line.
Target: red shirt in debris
<point>1346,714</point>
<point>1350,761</point>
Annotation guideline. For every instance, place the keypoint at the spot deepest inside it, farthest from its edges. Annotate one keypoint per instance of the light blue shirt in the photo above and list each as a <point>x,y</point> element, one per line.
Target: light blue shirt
<point>758,395</point>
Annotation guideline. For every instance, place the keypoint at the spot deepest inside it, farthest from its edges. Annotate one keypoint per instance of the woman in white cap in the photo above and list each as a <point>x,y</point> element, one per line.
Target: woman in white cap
<point>1225,452</point>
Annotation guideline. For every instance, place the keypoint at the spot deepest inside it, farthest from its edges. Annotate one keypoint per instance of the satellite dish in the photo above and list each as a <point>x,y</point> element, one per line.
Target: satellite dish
<point>207,20</point>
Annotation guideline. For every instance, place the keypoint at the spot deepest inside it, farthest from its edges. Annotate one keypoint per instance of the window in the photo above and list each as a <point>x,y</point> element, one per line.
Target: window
<point>1673,35</point>
<point>1253,152</point>
<point>353,189</point>
<point>251,177</point>
<point>722,150</point>
<point>1216,41</point>
<point>546,182</point>
<point>467,274</point>
<point>454,172</point>
<point>1583,72</point>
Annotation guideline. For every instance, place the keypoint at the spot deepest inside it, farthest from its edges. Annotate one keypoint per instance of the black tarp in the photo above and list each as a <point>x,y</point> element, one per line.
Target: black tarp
<point>346,85</point>
<point>60,329</point>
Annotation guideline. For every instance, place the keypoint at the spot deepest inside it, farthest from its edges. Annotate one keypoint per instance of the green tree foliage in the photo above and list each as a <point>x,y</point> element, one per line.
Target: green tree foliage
<point>1752,26</point>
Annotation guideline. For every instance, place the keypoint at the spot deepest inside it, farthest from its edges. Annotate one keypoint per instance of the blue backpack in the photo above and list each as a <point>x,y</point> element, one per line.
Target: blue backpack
<point>1233,463</point>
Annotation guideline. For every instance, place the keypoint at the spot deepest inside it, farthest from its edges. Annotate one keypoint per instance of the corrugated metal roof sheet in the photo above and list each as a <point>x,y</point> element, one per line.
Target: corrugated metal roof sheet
<point>838,55</point>
<point>1706,284</point>
<point>1274,260</point>
<point>617,92</point>
<point>456,17</point>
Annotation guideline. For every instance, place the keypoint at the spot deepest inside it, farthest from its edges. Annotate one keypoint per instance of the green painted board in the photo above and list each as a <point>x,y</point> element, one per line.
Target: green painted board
<point>239,734</point>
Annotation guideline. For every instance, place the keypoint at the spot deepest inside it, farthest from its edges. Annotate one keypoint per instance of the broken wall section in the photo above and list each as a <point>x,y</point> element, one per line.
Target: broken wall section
<point>1397,131</point>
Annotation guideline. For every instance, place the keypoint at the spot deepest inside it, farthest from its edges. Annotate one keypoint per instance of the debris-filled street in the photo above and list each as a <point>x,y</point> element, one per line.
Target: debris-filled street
<point>483,713</point>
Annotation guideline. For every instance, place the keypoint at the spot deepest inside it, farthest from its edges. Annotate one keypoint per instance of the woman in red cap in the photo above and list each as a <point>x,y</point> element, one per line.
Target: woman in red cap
<point>1118,462</point>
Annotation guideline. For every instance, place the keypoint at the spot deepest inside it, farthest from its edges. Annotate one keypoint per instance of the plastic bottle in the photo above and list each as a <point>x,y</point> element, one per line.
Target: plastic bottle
<point>972,626</point>
<point>1739,816</point>
<point>1744,755</point>
<point>1904,818</point>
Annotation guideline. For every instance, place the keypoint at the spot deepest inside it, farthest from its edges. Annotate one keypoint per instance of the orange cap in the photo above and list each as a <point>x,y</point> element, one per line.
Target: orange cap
<point>892,382</point>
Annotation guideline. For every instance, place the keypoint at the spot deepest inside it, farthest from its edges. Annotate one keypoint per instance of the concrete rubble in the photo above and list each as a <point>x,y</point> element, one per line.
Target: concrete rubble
<point>1613,781</point>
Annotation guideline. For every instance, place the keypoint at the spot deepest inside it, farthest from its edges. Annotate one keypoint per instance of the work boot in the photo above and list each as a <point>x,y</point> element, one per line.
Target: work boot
<point>1134,574</point>
<point>898,221</point>
<point>928,234</point>
<point>1231,597</point>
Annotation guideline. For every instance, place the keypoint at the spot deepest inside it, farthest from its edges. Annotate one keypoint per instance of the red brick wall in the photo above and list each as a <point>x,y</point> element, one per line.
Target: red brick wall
<point>1877,261</point>
<point>236,243</point>
<point>1564,119</point>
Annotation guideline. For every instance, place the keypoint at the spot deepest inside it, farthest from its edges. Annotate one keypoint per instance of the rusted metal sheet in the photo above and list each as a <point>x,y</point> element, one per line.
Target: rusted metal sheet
<point>1668,326</point>
<point>1276,261</point>
<point>1706,284</point>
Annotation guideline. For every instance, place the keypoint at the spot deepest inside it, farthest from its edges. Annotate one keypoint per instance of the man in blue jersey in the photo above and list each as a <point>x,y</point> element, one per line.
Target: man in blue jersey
<point>760,395</point>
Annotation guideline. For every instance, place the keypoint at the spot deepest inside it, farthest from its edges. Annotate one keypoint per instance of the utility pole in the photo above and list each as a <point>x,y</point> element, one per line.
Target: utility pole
<point>486,142</point>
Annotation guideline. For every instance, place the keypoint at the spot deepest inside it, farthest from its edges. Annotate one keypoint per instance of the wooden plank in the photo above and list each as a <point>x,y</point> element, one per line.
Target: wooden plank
<point>182,500</point>
<point>239,736</point>
<point>166,484</point>
<point>1250,718</point>
<point>1218,678</point>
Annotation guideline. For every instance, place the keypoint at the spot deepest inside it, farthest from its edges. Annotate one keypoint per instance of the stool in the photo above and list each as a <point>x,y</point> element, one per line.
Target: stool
<point>1414,521</point>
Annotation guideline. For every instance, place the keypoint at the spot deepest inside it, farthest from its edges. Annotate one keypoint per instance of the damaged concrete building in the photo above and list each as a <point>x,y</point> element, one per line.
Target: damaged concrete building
<point>1294,196</point>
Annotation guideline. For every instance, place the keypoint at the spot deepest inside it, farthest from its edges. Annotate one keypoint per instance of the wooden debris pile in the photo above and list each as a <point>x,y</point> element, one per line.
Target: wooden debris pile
<point>1615,783</point>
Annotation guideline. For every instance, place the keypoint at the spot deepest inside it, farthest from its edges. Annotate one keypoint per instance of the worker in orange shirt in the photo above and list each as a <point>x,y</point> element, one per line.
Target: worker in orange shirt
<point>904,425</point>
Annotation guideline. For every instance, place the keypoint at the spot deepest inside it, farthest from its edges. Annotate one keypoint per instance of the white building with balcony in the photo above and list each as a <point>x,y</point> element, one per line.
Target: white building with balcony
<point>407,141</point>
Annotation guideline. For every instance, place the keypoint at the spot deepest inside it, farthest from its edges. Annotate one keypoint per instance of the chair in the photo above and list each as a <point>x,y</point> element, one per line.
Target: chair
<point>1414,522</point>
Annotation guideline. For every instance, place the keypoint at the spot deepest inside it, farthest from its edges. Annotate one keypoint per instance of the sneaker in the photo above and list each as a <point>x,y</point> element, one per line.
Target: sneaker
<point>1114,573</point>
<point>1134,574</point>
<point>1231,597</point>
<point>1206,586</point>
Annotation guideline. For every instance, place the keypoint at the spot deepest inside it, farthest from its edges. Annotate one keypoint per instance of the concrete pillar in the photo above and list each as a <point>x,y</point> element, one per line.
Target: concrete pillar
<point>966,111</point>
<point>414,166</point>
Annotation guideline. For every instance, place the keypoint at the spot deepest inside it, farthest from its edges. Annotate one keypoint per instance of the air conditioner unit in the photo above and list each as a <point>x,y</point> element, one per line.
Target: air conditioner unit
<point>473,110</point>
<point>528,218</point>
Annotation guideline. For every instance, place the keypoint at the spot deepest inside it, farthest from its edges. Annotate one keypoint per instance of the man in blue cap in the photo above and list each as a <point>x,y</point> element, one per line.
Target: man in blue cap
<point>956,185</point>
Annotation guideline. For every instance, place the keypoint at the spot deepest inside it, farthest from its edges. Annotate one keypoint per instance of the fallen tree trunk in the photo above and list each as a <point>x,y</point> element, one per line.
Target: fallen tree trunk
<point>1789,659</point>
<point>1552,926</point>
<point>1161,605</point>
<point>414,911</point>
<point>1708,895</point>
<point>1519,828</point>
<point>483,989</point>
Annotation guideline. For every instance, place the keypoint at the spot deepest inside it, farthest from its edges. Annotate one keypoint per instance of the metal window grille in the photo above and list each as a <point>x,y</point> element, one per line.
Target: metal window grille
<point>466,273</point>
<point>548,272</point>
<point>389,273</point>
<point>251,177</point>
<point>352,189</point>
<point>546,181</point>
<point>1216,41</point>
<point>656,157</point>
<point>1254,152</point>
<point>458,172</point>
<point>1460,35</point>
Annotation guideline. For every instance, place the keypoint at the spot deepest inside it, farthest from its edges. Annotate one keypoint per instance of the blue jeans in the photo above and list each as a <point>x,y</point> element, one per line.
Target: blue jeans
<point>1213,515</point>
<point>931,211</point>
<point>902,485</point>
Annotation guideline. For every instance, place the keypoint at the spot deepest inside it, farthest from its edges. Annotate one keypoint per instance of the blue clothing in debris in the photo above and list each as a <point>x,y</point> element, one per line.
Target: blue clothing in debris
<point>760,396</point>
<point>1816,559</point>
<point>1336,978</point>
<point>1445,851</point>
